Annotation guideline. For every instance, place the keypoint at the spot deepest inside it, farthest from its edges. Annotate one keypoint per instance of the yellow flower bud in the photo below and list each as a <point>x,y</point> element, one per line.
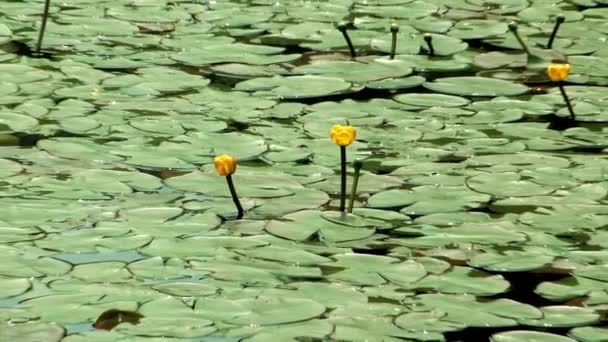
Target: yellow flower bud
<point>558,72</point>
<point>343,135</point>
<point>225,165</point>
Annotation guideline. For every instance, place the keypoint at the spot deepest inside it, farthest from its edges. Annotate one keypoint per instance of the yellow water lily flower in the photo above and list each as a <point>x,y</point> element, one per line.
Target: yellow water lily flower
<point>225,165</point>
<point>343,135</point>
<point>558,72</point>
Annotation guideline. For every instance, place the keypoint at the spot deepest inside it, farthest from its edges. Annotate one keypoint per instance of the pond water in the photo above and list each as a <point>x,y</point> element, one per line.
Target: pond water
<point>480,212</point>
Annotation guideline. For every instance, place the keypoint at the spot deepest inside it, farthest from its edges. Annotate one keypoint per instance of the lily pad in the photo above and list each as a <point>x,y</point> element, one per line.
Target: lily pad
<point>375,270</point>
<point>356,72</point>
<point>525,336</point>
<point>508,184</point>
<point>260,311</point>
<point>476,86</point>
<point>296,87</point>
<point>463,280</point>
<point>32,331</point>
<point>306,224</point>
<point>428,199</point>
<point>564,316</point>
<point>431,100</point>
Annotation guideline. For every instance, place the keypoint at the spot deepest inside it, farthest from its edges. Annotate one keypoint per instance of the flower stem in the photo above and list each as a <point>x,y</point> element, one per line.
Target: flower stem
<point>558,21</point>
<point>394,30</point>
<point>513,28</point>
<point>235,197</point>
<point>45,16</point>
<point>429,42</point>
<point>567,100</point>
<point>353,192</point>
<point>342,178</point>
<point>342,27</point>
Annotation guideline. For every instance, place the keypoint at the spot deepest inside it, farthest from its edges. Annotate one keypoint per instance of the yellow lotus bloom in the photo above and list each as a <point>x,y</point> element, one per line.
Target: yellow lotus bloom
<point>343,135</point>
<point>558,72</point>
<point>225,165</point>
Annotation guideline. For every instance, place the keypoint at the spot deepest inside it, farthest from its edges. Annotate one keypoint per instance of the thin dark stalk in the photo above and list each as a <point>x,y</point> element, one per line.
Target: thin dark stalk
<point>235,197</point>
<point>567,100</point>
<point>342,28</point>
<point>429,43</point>
<point>353,192</point>
<point>394,30</point>
<point>558,21</point>
<point>342,178</point>
<point>513,28</point>
<point>45,16</point>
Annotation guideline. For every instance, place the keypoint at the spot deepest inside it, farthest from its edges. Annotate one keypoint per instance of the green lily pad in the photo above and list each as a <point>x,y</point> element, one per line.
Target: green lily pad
<point>477,29</point>
<point>13,286</point>
<point>511,261</point>
<point>186,289</point>
<point>414,9</point>
<point>220,52</point>
<point>335,296</point>
<point>423,63</point>
<point>468,312</point>
<point>507,184</point>
<point>568,288</point>
<point>396,83</point>
<point>375,270</point>
<point>589,334</point>
<point>356,72</point>
<point>247,185</point>
<point>198,246</point>
<point>431,100</point>
<point>526,336</point>
<point>427,199</point>
<point>31,331</point>
<point>476,86</point>
<point>296,87</point>
<point>20,263</point>
<point>376,329</point>
<point>564,316</point>
<point>161,327</point>
<point>259,311</point>
<point>286,332</point>
<point>463,280</point>
<point>479,233</point>
<point>428,321</point>
<point>74,308</point>
<point>307,224</point>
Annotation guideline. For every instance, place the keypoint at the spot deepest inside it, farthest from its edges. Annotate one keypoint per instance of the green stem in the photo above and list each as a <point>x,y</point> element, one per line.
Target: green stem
<point>567,100</point>
<point>394,30</point>
<point>513,28</point>
<point>353,192</point>
<point>429,42</point>
<point>558,21</point>
<point>235,197</point>
<point>342,178</point>
<point>342,28</point>
<point>45,16</point>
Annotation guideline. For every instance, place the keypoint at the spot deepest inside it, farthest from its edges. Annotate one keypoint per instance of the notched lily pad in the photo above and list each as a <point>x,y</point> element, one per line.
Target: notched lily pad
<point>306,224</point>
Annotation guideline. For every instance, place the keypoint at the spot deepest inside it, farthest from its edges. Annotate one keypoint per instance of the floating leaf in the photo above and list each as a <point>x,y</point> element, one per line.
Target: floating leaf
<point>524,336</point>
<point>476,86</point>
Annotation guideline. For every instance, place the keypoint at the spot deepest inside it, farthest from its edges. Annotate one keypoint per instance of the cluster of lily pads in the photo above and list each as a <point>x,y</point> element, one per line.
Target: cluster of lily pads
<point>479,182</point>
